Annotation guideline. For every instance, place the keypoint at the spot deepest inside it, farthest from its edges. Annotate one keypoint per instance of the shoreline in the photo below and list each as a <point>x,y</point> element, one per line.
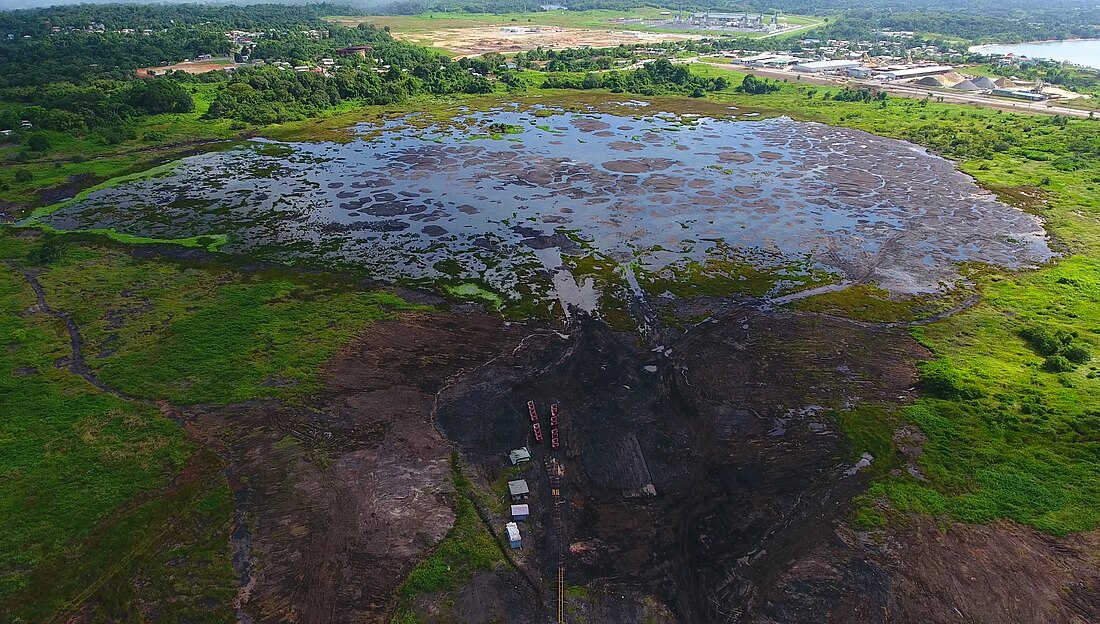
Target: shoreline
<point>984,49</point>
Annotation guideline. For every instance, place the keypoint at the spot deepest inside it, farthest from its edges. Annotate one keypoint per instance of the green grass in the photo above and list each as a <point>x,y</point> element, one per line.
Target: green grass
<point>207,334</point>
<point>867,302</point>
<point>77,464</point>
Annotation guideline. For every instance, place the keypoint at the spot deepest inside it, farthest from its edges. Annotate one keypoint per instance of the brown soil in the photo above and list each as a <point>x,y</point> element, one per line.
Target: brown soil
<point>190,67</point>
<point>347,494</point>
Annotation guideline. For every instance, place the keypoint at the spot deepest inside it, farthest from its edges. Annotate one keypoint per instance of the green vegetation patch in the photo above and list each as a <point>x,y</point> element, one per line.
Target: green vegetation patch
<point>1008,437</point>
<point>207,334</point>
<point>868,302</point>
<point>75,461</point>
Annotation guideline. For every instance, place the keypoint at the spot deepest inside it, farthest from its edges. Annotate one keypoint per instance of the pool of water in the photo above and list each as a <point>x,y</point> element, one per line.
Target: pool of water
<point>503,196</point>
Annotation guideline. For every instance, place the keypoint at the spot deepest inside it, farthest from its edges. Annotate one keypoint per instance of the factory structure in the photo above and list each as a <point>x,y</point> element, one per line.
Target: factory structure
<point>724,22</point>
<point>925,75</point>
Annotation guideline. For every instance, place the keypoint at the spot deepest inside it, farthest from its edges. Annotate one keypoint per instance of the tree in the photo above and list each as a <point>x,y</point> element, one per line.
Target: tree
<point>755,86</point>
<point>160,95</point>
<point>38,143</point>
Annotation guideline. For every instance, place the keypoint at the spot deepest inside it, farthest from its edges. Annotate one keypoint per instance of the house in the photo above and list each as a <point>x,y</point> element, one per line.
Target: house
<point>514,539</point>
<point>520,512</point>
<point>519,456</point>
<point>518,490</point>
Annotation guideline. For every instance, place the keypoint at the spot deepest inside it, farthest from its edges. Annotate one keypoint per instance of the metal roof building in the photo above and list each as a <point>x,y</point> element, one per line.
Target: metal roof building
<point>915,72</point>
<point>824,66</point>
<point>518,489</point>
<point>519,456</point>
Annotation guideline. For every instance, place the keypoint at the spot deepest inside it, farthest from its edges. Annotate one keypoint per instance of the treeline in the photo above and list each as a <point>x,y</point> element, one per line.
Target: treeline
<point>267,95</point>
<point>83,57</point>
<point>108,107</point>
<point>1025,26</point>
<point>159,16</point>
<point>163,34</point>
<point>655,78</point>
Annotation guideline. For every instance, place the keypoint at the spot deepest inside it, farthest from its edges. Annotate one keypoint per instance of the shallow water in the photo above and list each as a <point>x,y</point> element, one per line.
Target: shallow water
<point>653,191</point>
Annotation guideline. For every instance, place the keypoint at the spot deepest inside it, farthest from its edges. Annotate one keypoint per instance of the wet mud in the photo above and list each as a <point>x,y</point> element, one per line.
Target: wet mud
<point>692,471</point>
<point>427,202</point>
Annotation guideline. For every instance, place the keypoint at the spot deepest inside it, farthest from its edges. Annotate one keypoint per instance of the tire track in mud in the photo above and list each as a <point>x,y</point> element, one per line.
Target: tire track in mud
<point>78,365</point>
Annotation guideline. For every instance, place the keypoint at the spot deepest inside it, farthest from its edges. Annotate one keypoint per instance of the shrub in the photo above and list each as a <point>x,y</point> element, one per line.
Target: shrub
<point>1045,341</point>
<point>1078,354</point>
<point>942,379</point>
<point>1058,364</point>
<point>38,143</point>
<point>47,253</point>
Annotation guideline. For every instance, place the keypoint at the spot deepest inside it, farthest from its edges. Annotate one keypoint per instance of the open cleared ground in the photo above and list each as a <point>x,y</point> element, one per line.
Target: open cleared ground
<point>469,34</point>
<point>190,67</point>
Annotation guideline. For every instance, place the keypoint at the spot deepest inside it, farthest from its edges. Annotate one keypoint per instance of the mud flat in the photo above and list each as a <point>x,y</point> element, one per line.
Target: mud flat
<point>496,197</point>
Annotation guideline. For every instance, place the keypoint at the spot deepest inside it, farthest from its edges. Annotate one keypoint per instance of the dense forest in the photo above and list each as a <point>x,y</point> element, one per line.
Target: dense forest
<point>69,78</point>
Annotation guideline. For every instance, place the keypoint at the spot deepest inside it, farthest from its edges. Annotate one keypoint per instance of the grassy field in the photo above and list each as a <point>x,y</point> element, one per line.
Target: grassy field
<point>192,334</point>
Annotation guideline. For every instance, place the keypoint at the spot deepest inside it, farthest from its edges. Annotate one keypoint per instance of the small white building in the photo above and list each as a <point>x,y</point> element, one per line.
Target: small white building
<point>915,72</point>
<point>519,456</point>
<point>514,539</point>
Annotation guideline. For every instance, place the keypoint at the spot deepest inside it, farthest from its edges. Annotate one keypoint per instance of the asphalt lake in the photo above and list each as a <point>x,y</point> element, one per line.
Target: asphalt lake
<point>496,202</point>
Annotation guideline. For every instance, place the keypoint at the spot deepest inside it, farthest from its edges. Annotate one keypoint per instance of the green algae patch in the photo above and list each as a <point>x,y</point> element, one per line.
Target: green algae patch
<point>867,302</point>
<point>154,172</point>
<point>209,242</point>
<point>470,290</point>
<point>727,272</point>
